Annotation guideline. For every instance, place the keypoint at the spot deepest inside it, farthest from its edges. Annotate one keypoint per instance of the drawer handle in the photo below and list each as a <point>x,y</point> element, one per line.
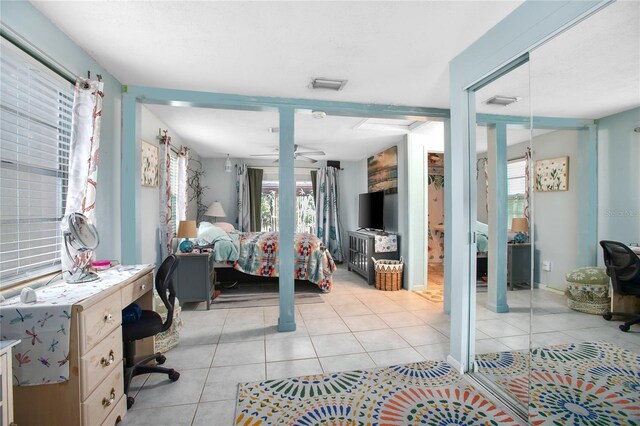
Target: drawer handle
<point>112,397</point>
<point>107,362</point>
<point>143,287</point>
<point>108,317</point>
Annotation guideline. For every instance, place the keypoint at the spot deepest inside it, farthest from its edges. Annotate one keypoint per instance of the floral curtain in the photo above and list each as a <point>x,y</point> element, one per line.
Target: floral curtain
<point>242,190</point>
<point>181,195</point>
<point>435,208</point>
<point>164,178</point>
<point>527,175</point>
<point>83,156</point>
<point>327,221</point>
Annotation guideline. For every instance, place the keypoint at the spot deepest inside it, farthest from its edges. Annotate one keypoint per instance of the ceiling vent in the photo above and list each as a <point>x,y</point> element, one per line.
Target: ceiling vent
<point>502,100</point>
<point>327,83</point>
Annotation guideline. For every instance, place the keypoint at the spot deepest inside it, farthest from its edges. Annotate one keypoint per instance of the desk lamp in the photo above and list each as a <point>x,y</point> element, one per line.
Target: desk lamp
<point>215,210</point>
<point>187,229</point>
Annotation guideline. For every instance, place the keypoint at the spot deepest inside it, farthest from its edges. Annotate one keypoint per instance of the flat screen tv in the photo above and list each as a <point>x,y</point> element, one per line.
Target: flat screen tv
<point>371,210</point>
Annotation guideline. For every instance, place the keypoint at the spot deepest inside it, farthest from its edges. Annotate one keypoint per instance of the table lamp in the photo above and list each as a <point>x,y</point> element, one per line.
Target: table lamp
<point>187,229</point>
<point>520,225</point>
<point>215,210</point>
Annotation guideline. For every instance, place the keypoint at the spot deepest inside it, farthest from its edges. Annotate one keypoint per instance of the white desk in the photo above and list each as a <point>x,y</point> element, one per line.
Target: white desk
<point>94,392</point>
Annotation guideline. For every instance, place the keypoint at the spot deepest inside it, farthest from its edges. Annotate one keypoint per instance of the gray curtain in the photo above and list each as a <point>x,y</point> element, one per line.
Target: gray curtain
<point>314,181</point>
<point>327,221</point>
<point>255,199</point>
<point>242,192</point>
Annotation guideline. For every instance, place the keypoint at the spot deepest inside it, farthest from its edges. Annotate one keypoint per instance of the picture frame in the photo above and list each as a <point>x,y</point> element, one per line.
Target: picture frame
<point>382,171</point>
<point>552,174</point>
<point>149,164</point>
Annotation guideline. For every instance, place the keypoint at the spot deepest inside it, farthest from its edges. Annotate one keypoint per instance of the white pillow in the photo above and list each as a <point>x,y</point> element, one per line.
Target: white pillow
<point>224,225</point>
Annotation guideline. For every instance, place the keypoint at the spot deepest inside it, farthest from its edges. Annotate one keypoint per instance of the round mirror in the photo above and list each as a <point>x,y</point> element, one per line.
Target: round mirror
<point>82,237</point>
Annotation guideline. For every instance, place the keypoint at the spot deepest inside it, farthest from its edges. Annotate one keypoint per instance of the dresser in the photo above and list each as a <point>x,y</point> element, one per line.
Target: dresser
<point>93,394</point>
<point>6,390</point>
<point>195,277</point>
<point>363,247</point>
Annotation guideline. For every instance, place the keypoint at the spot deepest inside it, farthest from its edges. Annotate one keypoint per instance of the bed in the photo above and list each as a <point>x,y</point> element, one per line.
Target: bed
<point>256,253</point>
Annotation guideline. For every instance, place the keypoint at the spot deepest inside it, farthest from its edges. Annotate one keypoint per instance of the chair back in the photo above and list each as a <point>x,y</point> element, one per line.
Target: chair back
<point>164,284</point>
<point>623,266</point>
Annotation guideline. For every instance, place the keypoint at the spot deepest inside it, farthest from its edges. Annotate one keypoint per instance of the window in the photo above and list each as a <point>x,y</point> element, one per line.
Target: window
<point>516,189</point>
<point>305,204</point>
<point>35,125</point>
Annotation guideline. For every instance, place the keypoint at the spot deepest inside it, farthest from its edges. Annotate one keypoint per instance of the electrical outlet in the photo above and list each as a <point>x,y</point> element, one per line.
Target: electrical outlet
<point>546,265</point>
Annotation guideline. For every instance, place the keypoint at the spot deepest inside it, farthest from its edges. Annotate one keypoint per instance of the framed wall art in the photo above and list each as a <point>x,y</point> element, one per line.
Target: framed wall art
<point>552,174</point>
<point>382,171</point>
<point>149,164</point>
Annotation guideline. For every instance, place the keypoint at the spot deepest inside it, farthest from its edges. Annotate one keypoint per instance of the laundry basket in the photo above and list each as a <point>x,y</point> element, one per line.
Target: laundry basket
<point>388,274</point>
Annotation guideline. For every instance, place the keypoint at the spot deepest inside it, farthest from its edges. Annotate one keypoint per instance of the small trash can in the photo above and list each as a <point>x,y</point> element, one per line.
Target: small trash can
<point>588,290</point>
<point>388,274</point>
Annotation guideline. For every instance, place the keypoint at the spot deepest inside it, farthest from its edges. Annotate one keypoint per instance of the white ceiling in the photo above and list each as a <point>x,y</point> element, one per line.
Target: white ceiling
<point>390,52</point>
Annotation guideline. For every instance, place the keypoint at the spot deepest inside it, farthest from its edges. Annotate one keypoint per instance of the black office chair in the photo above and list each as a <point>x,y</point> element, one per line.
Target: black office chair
<point>150,324</point>
<point>623,266</point>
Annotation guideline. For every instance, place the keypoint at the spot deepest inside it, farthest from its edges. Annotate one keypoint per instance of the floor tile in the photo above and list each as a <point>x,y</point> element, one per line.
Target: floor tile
<point>199,334</point>
<point>271,332</point>
<point>317,326</point>
<point>179,415</point>
<point>437,352</point>
<point>289,349</point>
<point>240,332</point>
<point>395,356</point>
<point>352,309</point>
<point>498,328</point>
<point>385,307</point>
<point>336,344</point>
<point>158,391</point>
<point>189,357</point>
<point>219,413</point>
<point>418,335</point>
<point>334,364</point>
<point>317,310</point>
<point>300,367</point>
<point>365,322</point>
<point>400,319</point>
<point>378,340</point>
<point>238,353</point>
<point>245,316</point>
<point>222,382</point>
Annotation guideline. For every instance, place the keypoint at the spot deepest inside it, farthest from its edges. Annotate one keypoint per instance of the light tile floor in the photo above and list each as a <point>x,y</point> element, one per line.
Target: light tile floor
<point>357,327</point>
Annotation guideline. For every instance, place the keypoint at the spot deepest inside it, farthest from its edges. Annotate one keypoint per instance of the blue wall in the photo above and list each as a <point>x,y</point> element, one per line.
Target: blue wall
<point>618,178</point>
<point>26,21</point>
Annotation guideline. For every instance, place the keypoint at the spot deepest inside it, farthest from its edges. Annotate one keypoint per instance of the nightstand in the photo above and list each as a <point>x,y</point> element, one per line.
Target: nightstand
<point>195,277</point>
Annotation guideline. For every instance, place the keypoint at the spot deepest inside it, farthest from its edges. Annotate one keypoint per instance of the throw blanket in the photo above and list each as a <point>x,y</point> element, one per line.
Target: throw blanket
<point>259,256</point>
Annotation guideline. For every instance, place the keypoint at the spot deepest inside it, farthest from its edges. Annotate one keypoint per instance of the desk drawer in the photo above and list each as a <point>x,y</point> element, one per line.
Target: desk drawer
<point>99,362</point>
<point>133,291</point>
<point>104,399</point>
<point>117,414</point>
<point>99,321</point>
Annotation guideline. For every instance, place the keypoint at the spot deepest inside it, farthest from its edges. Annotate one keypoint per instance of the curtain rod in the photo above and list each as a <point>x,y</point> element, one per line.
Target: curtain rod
<point>37,54</point>
<point>171,147</point>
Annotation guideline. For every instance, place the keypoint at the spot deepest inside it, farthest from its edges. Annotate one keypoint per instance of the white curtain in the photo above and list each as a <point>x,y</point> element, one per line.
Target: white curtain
<point>83,157</point>
<point>244,206</point>
<point>164,178</point>
<point>181,195</point>
<point>327,221</point>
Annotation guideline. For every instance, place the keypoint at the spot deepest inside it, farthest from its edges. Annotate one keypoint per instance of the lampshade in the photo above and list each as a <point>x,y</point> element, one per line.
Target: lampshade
<point>227,165</point>
<point>215,210</point>
<point>187,229</point>
<point>520,224</point>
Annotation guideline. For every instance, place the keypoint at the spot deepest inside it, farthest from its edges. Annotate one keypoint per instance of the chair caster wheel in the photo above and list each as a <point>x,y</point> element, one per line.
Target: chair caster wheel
<point>174,375</point>
<point>130,401</point>
<point>607,316</point>
<point>624,327</point>
<point>160,359</point>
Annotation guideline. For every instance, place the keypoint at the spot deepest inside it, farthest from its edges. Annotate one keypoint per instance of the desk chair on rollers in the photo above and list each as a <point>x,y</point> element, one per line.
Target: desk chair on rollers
<point>150,324</point>
<point>623,266</point>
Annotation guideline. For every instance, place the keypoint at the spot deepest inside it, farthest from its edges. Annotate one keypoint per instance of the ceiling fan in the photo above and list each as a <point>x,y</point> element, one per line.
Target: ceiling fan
<point>297,155</point>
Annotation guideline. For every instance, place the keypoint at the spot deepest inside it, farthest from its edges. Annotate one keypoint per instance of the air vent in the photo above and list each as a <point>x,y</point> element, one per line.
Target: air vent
<point>502,100</point>
<point>327,83</point>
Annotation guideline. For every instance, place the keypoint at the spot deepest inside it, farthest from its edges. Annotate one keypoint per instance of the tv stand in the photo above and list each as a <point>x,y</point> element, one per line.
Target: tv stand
<point>362,249</point>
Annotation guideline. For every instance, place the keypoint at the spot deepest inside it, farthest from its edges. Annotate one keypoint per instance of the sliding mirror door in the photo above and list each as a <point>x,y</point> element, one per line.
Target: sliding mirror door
<point>503,262</point>
<point>585,92</point>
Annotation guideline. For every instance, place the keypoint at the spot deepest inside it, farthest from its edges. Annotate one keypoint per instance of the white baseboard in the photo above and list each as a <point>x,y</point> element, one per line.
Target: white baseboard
<point>455,364</point>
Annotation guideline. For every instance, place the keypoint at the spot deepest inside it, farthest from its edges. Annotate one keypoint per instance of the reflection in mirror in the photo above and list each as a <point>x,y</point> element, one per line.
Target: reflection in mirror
<point>586,82</point>
<point>503,269</point>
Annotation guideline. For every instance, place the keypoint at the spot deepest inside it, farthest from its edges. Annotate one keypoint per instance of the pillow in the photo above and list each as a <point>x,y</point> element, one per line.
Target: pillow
<point>211,234</point>
<point>224,225</point>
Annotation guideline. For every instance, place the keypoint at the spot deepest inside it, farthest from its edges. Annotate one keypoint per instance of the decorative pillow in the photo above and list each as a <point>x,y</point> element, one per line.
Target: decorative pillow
<point>224,225</point>
<point>211,234</point>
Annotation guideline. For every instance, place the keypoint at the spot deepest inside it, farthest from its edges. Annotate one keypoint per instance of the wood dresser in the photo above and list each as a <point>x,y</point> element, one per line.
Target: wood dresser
<point>94,393</point>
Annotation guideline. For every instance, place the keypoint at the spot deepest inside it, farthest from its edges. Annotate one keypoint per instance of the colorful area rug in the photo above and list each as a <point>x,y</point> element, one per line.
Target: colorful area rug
<point>582,383</point>
<point>429,392</point>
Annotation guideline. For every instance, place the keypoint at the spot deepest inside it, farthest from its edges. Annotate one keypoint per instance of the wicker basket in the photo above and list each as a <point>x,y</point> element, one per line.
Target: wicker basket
<point>388,274</point>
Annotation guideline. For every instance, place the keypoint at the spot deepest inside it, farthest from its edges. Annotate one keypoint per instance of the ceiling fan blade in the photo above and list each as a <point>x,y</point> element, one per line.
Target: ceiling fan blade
<point>275,154</point>
<point>305,158</point>
<point>311,153</point>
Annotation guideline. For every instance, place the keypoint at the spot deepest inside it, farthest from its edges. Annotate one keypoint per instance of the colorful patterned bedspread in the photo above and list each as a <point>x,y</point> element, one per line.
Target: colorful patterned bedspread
<point>259,256</point>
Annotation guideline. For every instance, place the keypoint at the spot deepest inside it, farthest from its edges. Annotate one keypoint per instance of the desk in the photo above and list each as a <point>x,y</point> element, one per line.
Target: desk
<point>94,393</point>
<point>6,392</point>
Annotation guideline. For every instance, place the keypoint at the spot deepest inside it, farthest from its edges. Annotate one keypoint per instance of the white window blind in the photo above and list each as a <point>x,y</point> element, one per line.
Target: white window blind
<point>516,189</point>
<point>35,125</point>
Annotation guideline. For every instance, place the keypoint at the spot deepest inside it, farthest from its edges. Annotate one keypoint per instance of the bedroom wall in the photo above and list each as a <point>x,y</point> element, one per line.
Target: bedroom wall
<point>618,177</point>
<point>26,21</point>
<point>149,196</point>
<point>353,181</point>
